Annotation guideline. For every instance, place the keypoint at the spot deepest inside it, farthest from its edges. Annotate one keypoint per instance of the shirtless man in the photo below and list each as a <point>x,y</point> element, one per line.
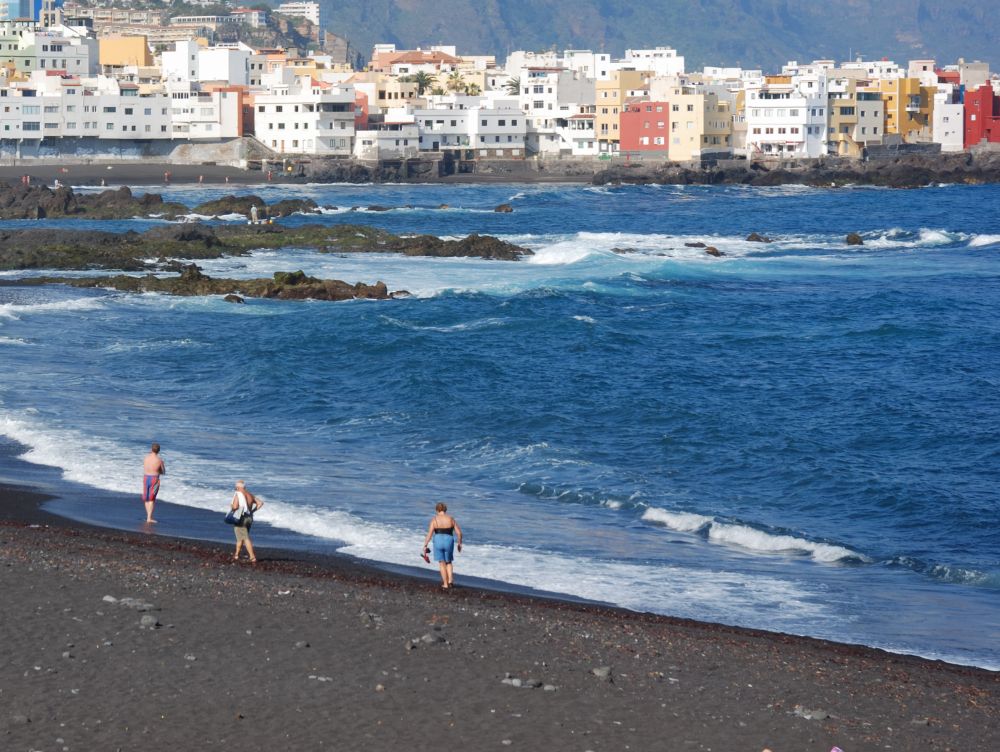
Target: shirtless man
<point>152,468</point>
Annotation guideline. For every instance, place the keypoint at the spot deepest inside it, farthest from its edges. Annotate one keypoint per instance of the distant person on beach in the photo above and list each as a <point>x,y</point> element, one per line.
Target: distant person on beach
<point>247,504</point>
<point>445,534</point>
<point>152,468</point>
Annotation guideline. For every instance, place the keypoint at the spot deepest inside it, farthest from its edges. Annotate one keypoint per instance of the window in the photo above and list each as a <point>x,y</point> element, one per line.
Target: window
<point>110,109</point>
<point>109,126</point>
<point>31,109</point>
<point>128,110</point>
<point>260,108</point>
<point>690,108</point>
<point>147,111</point>
<point>675,108</point>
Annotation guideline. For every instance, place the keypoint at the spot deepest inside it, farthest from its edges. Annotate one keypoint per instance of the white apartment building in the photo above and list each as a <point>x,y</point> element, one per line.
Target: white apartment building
<point>948,127</point>
<point>879,69</point>
<point>189,62</point>
<point>395,141</point>
<point>589,64</point>
<point>548,98</point>
<point>59,48</point>
<point>97,107</point>
<point>300,116</point>
<point>661,61</point>
<point>787,119</point>
<point>310,11</point>
<point>203,115</point>
<point>471,128</point>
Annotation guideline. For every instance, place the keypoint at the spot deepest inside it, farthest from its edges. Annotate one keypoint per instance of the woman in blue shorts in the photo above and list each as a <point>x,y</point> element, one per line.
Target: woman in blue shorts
<point>444,534</point>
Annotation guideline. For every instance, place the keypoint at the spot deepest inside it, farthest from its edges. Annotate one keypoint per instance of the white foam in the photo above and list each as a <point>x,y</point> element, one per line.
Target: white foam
<point>585,319</point>
<point>758,540</point>
<point>17,310</point>
<point>13,341</point>
<point>748,538</point>
<point>683,522</point>
<point>731,597</point>
<point>978,241</point>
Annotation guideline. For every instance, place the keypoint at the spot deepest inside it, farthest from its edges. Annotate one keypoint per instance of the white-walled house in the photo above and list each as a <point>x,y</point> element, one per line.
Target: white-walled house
<point>306,117</point>
<point>471,128</point>
<point>189,62</point>
<point>660,61</point>
<point>548,98</point>
<point>948,127</point>
<point>787,119</point>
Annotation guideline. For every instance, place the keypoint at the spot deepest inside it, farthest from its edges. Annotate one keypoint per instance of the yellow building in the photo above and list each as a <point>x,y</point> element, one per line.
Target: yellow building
<point>701,124</point>
<point>909,109</point>
<point>611,95</point>
<point>119,52</point>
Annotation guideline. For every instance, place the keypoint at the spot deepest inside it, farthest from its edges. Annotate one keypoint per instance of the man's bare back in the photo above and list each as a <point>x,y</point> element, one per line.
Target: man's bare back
<point>153,465</point>
<point>152,468</point>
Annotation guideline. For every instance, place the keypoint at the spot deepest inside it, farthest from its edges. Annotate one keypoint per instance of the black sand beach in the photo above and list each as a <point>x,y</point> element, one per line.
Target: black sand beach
<point>125,640</point>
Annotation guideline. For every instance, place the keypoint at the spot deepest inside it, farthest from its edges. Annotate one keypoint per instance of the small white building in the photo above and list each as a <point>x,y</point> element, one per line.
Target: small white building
<point>548,98</point>
<point>189,62</point>
<point>660,61</point>
<point>310,11</point>
<point>788,120</point>
<point>948,127</point>
<point>393,141</point>
<point>302,116</point>
<point>472,128</point>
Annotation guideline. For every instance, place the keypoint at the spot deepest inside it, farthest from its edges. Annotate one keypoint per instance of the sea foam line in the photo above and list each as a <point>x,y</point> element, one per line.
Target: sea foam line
<point>729,597</point>
<point>748,537</point>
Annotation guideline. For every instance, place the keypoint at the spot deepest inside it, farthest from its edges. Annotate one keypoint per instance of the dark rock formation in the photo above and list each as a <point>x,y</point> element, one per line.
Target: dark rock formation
<point>695,245</point>
<point>713,251</point>
<point>287,207</point>
<point>900,170</point>
<point>854,238</point>
<point>753,237</point>
<point>504,209</point>
<point>191,282</point>
<point>130,251</point>
<point>231,205</point>
<point>37,201</point>
<point>379,208</point>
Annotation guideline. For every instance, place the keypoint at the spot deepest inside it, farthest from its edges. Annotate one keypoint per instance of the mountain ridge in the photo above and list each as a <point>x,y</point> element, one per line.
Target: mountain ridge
<point>750,33</point>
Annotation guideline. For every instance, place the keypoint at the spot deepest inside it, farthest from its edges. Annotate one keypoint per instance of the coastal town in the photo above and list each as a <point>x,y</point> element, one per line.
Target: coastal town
<point>83,82</point>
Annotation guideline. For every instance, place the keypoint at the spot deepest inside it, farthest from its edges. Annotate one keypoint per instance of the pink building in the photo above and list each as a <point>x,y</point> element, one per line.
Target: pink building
<point>982,116</point>
<point>644,127</point>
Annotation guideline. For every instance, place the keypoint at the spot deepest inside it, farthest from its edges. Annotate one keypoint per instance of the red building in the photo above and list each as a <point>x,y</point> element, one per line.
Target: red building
<point>982,116</point>
<point>644,127</point>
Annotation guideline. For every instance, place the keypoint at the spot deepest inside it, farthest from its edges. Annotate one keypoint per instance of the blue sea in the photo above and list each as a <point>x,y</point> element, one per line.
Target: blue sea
<point>801,436</point>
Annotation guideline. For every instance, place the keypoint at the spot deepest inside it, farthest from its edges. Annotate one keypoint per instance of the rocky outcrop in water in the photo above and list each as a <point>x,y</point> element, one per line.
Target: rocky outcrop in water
<point>192,282</point>
<point>39,202</point>
<point>41,248</point>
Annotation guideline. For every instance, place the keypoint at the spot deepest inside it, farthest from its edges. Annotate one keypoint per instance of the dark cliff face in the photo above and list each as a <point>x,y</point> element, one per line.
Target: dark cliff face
<point>751,33</point>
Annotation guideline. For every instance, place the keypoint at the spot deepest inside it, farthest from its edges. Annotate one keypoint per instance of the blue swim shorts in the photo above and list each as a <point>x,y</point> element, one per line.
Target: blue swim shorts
<point>444,547</point>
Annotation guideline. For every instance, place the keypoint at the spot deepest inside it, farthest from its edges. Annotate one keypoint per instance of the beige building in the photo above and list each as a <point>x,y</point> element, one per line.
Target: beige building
<point>856,117</point>
<point>700,123</point>
<point>119,52</point>
<point>611,95</point>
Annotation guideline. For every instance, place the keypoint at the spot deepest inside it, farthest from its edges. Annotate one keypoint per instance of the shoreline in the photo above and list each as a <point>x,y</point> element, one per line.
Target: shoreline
<point>710,684</point>
<point>891,170</point>
<point>361,651</point>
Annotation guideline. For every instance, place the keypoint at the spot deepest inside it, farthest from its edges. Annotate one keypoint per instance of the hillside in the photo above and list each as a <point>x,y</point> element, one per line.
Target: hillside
<point>751,33</point>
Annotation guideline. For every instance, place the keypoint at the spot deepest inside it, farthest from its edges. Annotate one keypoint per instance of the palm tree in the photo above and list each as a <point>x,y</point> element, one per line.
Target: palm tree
<point>514,86</point>
<point>456,83</point>
<point>422,79</point>
<point>473,90</point>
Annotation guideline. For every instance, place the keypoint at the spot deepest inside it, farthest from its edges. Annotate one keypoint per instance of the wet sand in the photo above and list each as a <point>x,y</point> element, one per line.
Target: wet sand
<point>324,652</point>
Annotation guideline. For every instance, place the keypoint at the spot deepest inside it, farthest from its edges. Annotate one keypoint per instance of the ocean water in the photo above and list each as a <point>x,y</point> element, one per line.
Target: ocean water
<point>801,436</point>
